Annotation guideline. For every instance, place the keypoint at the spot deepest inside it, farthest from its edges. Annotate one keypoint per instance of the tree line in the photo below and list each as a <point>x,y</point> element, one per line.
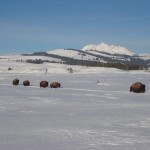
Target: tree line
<point>133,64</point>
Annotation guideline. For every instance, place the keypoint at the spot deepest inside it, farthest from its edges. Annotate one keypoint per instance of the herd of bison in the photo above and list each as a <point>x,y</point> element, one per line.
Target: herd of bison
<point>137,87</point>
<point>43,84</point>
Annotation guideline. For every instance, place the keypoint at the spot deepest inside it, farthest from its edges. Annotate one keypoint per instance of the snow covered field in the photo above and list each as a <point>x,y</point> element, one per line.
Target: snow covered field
<point>82,115</point>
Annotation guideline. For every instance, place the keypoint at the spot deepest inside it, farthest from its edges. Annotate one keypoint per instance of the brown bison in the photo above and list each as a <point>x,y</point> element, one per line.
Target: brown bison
<point>15,81</point>
<point>44,84</point>
<point>26,83</point>
<point>137,87</point>
<point>55,85</point>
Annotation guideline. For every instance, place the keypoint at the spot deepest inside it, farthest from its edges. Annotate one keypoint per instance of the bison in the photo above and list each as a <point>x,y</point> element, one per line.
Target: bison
<point>44,84</point>
<point>55,85</point>
<point>26,83</point>
<point>137,87</point>
<point>15,81</point>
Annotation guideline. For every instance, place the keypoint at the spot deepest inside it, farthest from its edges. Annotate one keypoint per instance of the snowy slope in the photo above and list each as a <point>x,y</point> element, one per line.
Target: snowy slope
<point>144,56</point>
<point>73,54</point>
<point>82,115</point>
<point>116,57</point>
<point>101,53</point>
<point>23,67</point>
<point>112,49</point>
<point>24,58</point>
<point>66,53</point>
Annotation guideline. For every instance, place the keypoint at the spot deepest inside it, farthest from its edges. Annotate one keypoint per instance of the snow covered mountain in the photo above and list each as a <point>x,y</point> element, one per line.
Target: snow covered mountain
<point>112,49</point>
<point>91,55</point>
<point>94,52</point>
<point>73,53</point>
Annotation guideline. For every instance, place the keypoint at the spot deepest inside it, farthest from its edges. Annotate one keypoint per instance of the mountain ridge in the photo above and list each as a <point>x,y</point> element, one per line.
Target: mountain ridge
<point>112,49</point>
<point>117,57</point>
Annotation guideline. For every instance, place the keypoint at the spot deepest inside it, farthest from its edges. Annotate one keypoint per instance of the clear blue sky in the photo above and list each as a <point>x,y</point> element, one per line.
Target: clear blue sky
<point>40,25</point>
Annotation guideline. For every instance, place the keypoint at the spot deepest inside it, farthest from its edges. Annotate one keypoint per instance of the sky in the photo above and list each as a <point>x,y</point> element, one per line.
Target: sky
<point>28,26</point>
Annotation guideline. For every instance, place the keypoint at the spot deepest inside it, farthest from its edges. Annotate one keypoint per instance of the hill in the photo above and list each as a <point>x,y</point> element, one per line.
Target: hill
<point>101,55</point>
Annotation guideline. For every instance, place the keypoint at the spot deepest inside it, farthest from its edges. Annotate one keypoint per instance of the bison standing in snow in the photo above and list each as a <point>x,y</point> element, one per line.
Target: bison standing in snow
<point>26,83</point>
<point>55,85</point>
<point>15,81</point>
<point>44,84</point>
<point>137,87</point>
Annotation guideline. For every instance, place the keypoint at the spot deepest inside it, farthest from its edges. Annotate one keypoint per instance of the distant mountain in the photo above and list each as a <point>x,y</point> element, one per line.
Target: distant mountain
<point>112,49</point>
<point>75,54</point>
<point>101,55</point>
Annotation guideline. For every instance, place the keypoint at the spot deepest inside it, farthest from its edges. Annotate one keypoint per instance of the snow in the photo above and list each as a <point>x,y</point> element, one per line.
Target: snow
<point>107,55</point>
<point>112,49</point>
<point>73,54</point>
<point>81,115</point>
<point>144,56</point>
<point>24,58</point>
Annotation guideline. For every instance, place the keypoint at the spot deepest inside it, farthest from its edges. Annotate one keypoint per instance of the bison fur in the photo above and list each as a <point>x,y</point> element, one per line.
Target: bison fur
<point>137,87</point>
<point>15,81</point>
<point>55,85</point>
<point>44,84</point>
<point>26,83</point>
